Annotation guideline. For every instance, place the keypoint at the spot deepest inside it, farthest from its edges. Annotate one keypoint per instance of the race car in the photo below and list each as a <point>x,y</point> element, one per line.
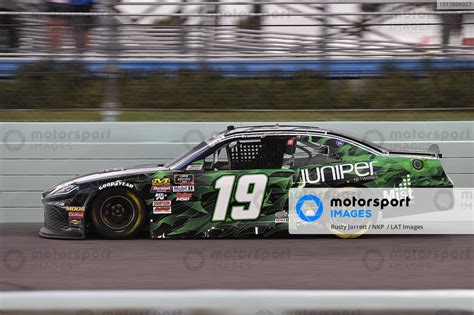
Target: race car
<point>234,185</point>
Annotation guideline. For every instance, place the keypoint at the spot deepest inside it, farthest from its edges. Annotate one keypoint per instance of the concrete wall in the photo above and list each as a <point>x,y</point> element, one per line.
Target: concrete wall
<point>36,156</point>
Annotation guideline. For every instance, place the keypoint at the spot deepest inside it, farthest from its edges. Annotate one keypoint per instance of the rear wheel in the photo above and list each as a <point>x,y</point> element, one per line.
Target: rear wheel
<point>342,234</point>
<point>118,213</point>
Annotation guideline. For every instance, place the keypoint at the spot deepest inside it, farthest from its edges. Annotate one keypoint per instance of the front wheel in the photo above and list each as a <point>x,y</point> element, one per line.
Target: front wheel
<point>118,213</point>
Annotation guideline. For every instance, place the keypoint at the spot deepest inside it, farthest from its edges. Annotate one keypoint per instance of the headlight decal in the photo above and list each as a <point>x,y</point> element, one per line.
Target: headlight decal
<point>66,190</point>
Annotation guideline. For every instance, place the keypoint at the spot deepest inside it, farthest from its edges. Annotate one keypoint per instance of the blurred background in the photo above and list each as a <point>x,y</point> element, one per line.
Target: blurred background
<point>235,60</point>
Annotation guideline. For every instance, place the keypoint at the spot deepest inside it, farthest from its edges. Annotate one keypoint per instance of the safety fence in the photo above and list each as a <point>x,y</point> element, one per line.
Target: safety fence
<point>128,54</point>
<point>247,29</point>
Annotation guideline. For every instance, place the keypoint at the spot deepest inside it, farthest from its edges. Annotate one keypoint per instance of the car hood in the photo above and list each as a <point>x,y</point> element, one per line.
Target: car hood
<point>116,172</point>
<point>109,174</point>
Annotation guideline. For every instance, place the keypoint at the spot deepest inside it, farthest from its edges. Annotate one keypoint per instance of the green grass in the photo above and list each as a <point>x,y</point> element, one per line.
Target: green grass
<point>276,116</point>
<point>50,116</point>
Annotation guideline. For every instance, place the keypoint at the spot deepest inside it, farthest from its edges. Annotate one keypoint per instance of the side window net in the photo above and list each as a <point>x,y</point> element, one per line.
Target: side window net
<point>264,154</point>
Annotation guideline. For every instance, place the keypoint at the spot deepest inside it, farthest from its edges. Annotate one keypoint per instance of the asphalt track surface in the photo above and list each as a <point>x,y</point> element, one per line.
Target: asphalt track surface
<point>29,262</point>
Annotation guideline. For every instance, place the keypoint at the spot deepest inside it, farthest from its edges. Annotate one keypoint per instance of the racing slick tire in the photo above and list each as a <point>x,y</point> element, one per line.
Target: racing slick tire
<point>118,213</point>
<point>358,233</point>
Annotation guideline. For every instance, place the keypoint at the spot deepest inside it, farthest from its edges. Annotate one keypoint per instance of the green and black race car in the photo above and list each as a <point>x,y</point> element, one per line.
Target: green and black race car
<point>235,184</point>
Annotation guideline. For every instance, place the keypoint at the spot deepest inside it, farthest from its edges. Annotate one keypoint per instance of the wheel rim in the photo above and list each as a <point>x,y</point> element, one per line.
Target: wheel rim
<point>117,212</point>
<point>335,222</point>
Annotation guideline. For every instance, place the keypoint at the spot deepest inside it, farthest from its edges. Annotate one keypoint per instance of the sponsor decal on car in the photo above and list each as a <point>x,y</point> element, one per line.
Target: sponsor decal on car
<point>155,189</point>
<point>76,214</point>
<point>75,222</point>
<point>117,183</point>
<point>162,203</point>
<point>281,217</point>
<point>184,179</point>
<point>160,196</point>
<point>194,167</point>
<point>183,196</point>
<point>183,188</point>
<point>339,143</point>
<point>336,172</point>
<point>161,210</point>
<point>74,208</point>
<point>164,181</point>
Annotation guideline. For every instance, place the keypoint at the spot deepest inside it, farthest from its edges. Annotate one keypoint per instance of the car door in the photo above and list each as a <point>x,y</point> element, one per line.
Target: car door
<point>243,187</point>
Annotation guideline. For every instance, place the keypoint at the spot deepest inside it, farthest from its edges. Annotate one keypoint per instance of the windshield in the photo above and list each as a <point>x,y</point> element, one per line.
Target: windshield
<point>187,157</point>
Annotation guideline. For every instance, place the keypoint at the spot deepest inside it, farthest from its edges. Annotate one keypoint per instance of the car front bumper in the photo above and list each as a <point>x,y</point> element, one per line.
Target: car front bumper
<point>61,234</point>
<point>58,224</point>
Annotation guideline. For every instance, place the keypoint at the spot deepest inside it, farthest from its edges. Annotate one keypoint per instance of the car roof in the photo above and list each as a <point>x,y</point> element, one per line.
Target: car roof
<point>270,129</point>
<point>276,129</point>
